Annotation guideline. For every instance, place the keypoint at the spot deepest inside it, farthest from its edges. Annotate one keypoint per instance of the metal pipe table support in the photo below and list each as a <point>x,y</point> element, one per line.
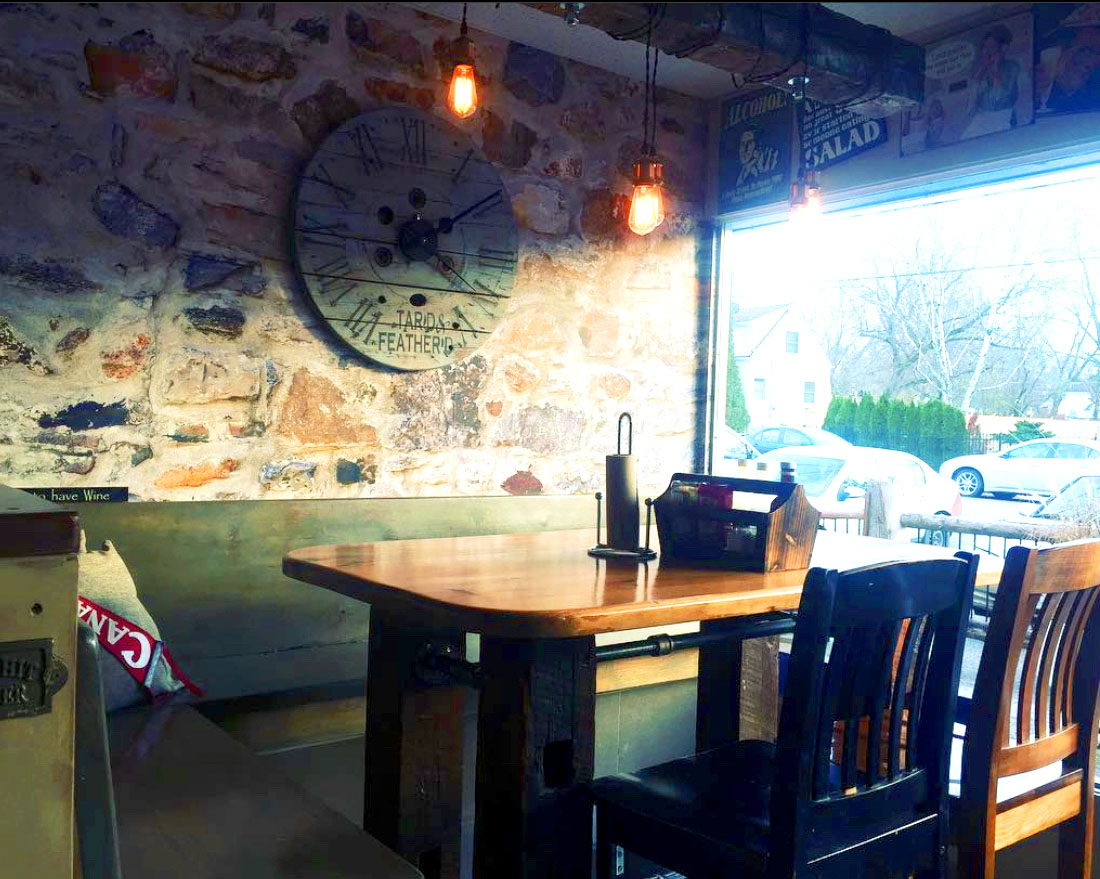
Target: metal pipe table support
<point>436,666</point>
<point>662,645</point>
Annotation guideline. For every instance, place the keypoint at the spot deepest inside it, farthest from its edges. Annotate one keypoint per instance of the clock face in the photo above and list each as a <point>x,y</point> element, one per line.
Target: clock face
<point>404,239</point>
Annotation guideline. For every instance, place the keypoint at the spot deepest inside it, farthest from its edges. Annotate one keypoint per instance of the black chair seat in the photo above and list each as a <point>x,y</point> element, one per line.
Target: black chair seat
<point>721,796</point>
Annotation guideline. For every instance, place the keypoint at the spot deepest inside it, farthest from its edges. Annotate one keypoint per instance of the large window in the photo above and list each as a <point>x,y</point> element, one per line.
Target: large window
<point>985,299</point>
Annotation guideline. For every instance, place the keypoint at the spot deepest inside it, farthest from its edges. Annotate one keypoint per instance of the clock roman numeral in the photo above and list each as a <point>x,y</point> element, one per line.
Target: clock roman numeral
<point>339,243</point>
<point>488,311</point>
<point>369,156</point>
<point>489,291</point>
<point>462,168</point>
<point>335,266</point>
<point>358,319</point>
<point>322,176</point>
<point>330,285</point>
<point>415,149</point>
<point>490,258</point>
<point>312,224</point>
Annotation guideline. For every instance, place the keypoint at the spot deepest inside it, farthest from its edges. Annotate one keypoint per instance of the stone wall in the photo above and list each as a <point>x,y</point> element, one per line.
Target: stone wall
<point>152,334</point>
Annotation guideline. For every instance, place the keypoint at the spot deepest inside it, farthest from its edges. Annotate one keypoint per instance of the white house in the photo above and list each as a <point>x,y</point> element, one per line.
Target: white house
<point>1077,403</point>
<point>784,369</point>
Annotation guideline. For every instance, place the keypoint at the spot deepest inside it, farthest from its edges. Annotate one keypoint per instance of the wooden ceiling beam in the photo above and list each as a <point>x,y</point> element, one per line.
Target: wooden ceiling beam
<point>860,66</point>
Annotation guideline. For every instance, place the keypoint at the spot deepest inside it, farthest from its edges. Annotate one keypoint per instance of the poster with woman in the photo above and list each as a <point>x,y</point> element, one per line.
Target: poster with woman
<point>1067,67</point>
<point>976,83</point>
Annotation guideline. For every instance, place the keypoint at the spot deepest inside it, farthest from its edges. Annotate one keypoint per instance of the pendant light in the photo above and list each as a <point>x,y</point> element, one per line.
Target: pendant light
<point>462,94</point>
<point>647,206</point>
<point>805,191</point>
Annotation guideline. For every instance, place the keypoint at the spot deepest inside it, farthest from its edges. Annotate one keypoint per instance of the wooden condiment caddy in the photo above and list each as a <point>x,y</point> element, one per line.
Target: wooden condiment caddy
<point>737,523</point>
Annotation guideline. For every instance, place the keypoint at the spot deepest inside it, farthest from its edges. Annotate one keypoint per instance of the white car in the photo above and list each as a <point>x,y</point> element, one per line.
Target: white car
<point>1041,466</point>
<point>1077,502</point>
<point>734,446</point>
<point>835,479</point>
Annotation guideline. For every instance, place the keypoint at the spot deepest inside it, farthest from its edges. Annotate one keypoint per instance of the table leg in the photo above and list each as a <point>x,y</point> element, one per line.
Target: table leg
<point>738,689</point>
<point>536,746</point>
<point>413,785</point>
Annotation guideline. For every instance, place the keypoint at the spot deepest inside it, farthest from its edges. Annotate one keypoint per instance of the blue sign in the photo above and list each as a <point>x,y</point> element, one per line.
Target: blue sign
<point>831,135</point>
<point>754,151</point>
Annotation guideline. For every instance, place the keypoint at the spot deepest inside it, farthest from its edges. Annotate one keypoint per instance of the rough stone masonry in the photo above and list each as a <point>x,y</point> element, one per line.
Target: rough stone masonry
<point>151,331</point>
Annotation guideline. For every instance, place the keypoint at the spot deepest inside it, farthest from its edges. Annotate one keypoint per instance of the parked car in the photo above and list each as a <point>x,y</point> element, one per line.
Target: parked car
<point>1077,502</point>
<point>1040,466</point>
<point>835,479</point>
<point>733,446</point>
<point>767,439</point>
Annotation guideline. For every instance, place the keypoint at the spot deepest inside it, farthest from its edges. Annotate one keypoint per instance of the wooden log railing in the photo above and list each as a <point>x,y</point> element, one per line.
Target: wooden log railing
<point>1021,532</point>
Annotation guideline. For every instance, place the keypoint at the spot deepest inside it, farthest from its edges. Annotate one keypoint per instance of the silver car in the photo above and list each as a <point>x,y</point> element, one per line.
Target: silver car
<point>1039,466</point>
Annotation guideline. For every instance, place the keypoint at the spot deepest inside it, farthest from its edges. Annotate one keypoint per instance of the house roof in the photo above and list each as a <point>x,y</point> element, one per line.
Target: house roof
<point>748,315</point>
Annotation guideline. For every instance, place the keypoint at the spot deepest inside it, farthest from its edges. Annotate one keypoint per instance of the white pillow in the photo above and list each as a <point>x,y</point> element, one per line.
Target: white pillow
<point>105,580</point>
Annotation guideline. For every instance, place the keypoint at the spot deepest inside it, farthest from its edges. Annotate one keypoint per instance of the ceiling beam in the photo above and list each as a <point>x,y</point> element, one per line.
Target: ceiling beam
<point>863,67</point>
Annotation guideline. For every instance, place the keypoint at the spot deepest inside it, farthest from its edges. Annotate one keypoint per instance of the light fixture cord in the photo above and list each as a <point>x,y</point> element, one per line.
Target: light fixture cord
<point>653,114</point>
<point>645,97</point>
<point>462,30</point>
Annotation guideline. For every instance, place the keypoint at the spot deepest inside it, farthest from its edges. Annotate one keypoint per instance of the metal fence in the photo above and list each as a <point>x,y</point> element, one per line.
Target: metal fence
<point>843,524</point>
<point>985,538</point>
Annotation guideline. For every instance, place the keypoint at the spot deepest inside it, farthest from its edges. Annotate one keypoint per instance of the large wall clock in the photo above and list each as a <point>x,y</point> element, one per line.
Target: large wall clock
<point>404,239</point>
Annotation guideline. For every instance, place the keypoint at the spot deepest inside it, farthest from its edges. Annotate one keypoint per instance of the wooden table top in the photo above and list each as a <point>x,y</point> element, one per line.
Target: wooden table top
<point>545,585</point>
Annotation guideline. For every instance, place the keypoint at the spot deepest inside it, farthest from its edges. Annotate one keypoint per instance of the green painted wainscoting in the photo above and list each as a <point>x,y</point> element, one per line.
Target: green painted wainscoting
<point>210,574</point>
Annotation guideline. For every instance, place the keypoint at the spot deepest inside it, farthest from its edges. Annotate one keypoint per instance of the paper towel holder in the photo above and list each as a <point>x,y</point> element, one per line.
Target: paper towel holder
<point>603,550</point>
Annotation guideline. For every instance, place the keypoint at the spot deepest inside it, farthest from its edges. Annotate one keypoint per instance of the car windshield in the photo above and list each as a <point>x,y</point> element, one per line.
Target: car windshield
<point>1079,501</point>
<point>813,472</point>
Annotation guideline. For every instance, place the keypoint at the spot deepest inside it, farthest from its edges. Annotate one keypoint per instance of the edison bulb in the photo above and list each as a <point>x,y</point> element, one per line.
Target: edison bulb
<point>462,95</point>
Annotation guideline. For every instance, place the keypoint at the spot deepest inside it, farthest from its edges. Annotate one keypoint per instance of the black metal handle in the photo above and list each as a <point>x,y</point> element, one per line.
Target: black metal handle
<point>629,435</point>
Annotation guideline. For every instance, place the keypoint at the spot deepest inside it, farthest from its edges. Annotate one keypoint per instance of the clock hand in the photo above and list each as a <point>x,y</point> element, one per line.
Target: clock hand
<point>446,269</point>
<point>446,224</point>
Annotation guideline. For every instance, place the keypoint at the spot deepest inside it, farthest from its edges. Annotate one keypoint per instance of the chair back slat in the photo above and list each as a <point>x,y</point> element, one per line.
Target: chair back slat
<point>1042,641</point>
<point>897,702</point>
<point>887,648</point>
<point>917,689</point>
<point>1039,627</point>
<point>823,746</point>
<point>874,649</point>
<point>1045,722</point>
<point>1079,629</point>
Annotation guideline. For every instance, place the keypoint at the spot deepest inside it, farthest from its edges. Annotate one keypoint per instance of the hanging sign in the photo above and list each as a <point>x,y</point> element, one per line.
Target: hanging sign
<point>754,151</point>
<point>831,135</point>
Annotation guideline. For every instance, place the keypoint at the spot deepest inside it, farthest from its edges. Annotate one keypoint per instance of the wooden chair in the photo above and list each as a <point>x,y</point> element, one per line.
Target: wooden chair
<point>783,810</point>
<point>1035,704</point>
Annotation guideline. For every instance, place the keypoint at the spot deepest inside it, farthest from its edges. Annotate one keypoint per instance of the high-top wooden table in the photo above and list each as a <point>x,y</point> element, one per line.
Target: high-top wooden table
<point>537,600</point>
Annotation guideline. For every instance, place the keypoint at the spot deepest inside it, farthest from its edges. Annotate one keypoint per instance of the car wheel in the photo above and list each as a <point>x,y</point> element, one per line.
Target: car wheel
<point>969,482</point>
